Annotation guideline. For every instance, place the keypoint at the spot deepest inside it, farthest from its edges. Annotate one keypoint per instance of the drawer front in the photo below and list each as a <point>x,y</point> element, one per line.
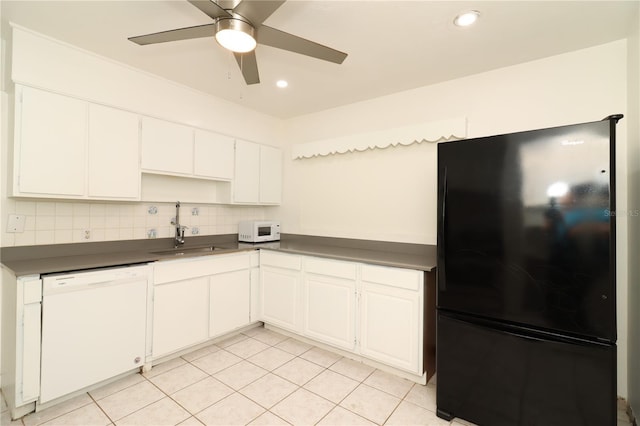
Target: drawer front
<point>408,279</point>
<point>179,270</point>
<point>332,268</point>
<point>280,260</point>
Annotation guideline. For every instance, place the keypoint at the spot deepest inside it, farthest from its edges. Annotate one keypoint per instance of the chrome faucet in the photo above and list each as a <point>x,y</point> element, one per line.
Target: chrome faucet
<point>179,238</point>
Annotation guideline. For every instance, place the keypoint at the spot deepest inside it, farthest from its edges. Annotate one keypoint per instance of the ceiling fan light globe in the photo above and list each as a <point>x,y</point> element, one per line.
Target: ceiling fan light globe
<point>235,35</point>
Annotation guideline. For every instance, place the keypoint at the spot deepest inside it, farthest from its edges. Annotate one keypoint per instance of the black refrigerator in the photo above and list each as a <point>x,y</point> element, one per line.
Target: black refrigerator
<point>526,301</point>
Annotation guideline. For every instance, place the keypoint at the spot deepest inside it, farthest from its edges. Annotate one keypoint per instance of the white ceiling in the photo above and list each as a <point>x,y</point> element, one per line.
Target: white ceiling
<point>392,45</point>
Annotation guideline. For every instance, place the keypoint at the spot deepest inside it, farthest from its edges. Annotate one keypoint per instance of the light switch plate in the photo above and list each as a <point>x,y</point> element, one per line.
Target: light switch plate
<point>16,223</point>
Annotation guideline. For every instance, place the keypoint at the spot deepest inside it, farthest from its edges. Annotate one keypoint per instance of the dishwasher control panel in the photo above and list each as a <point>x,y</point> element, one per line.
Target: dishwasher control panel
<point>55,283</point>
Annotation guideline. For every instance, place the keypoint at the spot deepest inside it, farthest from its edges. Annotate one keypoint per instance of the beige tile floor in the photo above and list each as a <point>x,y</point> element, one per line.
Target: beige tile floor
<point>255,378</point>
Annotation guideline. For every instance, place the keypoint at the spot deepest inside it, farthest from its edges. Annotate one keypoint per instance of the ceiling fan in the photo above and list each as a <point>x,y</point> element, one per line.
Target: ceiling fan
<point>238,27</point>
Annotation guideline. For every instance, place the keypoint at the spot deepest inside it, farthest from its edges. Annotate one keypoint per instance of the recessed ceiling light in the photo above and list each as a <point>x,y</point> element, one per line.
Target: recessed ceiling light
<point>467,18</point>
<point>282,83</point>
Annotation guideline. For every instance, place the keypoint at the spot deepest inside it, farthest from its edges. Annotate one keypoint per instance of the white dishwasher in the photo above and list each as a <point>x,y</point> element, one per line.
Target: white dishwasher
<point>93,327</point>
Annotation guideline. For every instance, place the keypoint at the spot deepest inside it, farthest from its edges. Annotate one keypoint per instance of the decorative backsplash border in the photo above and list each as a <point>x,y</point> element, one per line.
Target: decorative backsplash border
<point>437,131</point>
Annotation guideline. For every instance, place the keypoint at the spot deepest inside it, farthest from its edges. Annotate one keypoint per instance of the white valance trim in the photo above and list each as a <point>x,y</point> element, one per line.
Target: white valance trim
<point>426,132</point>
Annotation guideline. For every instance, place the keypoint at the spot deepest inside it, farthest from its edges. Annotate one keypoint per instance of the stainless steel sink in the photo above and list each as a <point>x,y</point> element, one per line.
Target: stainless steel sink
<point>181,251</point>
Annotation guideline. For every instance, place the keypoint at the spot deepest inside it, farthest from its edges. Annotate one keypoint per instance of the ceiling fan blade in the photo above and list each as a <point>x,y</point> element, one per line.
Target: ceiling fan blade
<point>257,11</point>
<point>174,35</point>
<point>281,40</point>
<point>210,8</point>
<point>249,66</point>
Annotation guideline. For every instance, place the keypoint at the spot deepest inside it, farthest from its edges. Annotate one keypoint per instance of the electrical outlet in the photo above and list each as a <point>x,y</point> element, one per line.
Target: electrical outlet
<point>195,230</point>
<point>16,223</point>
<point>87,234</point>
<point>195,211</point>
<point>151,233</point>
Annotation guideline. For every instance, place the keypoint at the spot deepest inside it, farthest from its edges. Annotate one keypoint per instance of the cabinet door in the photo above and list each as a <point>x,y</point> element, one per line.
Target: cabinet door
<point>270,175</point>
<point>391,326</point>
<point>180,315</point>
<point>229,301</point>
<point>329,306</point>
<point>280,291</point>
<point>246,182</point>
<point>51,139</point>
<point>114,154</point>
<point>166,147</point>
<point>213,155</point>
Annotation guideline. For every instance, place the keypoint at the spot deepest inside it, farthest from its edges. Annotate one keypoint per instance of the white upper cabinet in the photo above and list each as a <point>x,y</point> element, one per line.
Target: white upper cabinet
<point>270,175</point>
<point>173,149</point>
<point>50,144</point>
<point>246,182</point>
<point>166,147</point>
<point>69,148</point>
<point>73,149</point>
<point>258,174</point>
<point>114,166</point>
<point>213,155</point>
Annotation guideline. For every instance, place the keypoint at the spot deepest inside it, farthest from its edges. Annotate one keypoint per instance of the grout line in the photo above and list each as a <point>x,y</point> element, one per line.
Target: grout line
<point>143,407</point>
<point>101,409</point>
<point>396,408</point>
<point>270,371</point>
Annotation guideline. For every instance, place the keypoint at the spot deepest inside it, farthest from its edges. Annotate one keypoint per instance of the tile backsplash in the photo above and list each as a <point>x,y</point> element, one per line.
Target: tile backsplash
<point>59,222</point>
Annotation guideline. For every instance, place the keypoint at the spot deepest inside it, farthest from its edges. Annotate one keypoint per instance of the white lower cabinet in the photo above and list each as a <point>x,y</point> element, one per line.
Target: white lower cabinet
<point>200,298</point>
<point>329,291</point>
<point>180,315</point>
<point>391,316</point>
<point>229,301</point>
<point>280,290</point>
<point>21,334</point>
<point>373,311</point>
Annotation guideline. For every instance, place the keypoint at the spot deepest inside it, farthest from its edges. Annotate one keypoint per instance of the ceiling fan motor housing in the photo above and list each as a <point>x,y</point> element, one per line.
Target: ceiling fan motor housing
<point>243,33</point>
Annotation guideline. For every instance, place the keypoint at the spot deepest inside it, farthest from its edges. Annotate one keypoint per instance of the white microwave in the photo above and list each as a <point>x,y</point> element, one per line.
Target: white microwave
<point>258,231</point>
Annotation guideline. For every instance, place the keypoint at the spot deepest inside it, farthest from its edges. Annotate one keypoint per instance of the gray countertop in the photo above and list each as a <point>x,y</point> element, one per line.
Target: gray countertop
<point>403,255</point>
<point>28,260</point>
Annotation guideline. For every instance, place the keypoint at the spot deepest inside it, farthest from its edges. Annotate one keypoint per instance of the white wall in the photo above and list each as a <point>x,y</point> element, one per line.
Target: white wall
<point>634,218</point>
<point>391,194</point>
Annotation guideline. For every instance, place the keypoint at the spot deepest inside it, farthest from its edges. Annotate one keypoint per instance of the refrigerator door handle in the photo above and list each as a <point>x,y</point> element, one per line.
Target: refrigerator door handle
<point>442,267</point>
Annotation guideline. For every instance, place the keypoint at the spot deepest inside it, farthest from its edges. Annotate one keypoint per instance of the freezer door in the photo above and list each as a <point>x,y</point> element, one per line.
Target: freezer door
<point>526,229</point>
<point>496,377</point>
